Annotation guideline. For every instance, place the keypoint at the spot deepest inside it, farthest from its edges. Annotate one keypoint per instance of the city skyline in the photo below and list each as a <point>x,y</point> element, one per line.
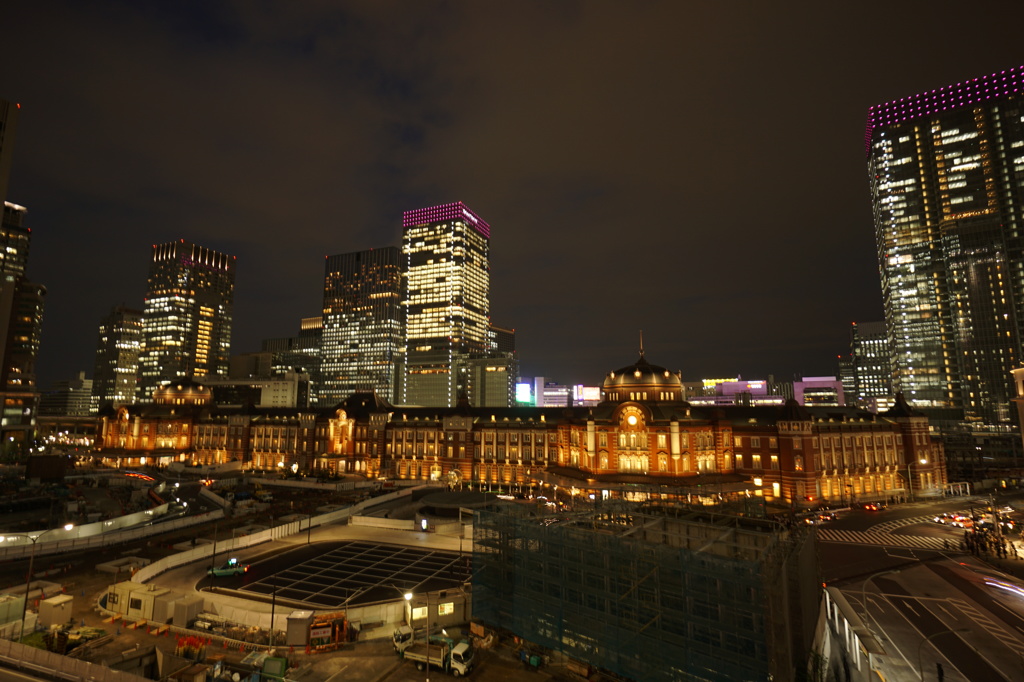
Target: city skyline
<point>690,171</point>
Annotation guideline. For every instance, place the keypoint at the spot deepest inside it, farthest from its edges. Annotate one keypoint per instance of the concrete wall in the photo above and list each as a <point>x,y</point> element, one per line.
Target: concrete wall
<point>375,522</point>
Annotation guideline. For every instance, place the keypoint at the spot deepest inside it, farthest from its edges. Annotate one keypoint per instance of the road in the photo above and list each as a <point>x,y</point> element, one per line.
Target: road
<point>927,601</point>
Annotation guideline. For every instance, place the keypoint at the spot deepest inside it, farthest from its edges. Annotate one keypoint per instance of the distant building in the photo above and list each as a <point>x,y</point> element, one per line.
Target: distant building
<point>869,352</point>
<point>739,392</point>
<point>492,380</point>
<point>187,317</point>
<point>945,178</point>
<point>445,300</point>
<point>362,325</point>
<point>287,389</point>
<point>70,398</point>
<point>116,372</point>
<point>278,356</point>
<point>15,241</point>
<point>819,391</point>
<point>501,340</point>
<point>299,353</point>
<point>542,392</point>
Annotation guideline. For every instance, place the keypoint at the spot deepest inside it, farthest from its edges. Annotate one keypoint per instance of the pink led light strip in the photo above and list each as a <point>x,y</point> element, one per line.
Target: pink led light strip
<point>951,97</point>
<point>456,211</point>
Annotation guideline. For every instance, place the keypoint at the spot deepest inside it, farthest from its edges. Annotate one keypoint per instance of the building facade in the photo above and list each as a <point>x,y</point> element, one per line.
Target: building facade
<point>641,439</point>
<point>187,317</point>
<point>362,325</point>
<point>69,398</point>
<point>445,301</point>
<point>947,194</point>
<point>116,372</point>
<point>869,354</point>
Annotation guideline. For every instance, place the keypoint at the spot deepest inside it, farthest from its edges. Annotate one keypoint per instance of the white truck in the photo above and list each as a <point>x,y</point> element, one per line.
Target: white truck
<point>441,653</point>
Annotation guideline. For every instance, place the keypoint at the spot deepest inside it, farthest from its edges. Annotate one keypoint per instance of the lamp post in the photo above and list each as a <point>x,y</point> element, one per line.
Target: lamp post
<point>864,595</point>
<point>910,484</point>
<point>31,563</point>
<point>426,634</point>
<point>273,608</point>
<point>920,649</point>
<point>213,556</point>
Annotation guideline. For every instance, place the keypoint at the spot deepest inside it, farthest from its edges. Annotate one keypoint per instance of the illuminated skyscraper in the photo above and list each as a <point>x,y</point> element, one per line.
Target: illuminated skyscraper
<point>446,301</point>
<point>186,324</point>
<point>947,183</point>
<point>117,357</point>
<point>21,306</point>
<point>362,328</point>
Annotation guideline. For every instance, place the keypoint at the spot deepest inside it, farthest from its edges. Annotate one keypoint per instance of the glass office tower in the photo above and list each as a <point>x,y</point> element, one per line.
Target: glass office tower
<point>946,170</point>
<point>362,328</point>
<point>186,325</point>
<point>445,301</point>
<point>115,373</point>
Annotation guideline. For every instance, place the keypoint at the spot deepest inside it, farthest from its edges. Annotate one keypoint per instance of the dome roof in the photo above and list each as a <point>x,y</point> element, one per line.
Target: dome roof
<point>642,374</point>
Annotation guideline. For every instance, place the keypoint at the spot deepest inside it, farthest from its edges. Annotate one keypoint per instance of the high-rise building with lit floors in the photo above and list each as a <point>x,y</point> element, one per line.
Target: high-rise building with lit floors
<point>116,371</point>
<point>186,322</point>
<point>21,307</point>
<point>445,301</point>
<point>362,328</point>
<point>15,240</point>
<point>945,169</point>
<point>869,356</point>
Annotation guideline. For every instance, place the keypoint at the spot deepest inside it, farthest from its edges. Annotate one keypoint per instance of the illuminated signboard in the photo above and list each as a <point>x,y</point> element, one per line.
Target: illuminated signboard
<point>524,394</point>
<point>582,393</point>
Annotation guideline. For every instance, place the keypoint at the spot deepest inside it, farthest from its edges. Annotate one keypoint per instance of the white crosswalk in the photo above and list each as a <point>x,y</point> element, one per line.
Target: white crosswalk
<point>873,537</point>
<point>889,526</point>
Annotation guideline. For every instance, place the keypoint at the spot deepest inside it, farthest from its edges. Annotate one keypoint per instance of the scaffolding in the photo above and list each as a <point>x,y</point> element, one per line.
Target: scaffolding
<point>649,593</point>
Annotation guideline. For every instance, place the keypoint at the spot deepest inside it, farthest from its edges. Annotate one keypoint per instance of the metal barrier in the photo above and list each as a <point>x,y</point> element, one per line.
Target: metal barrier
<point>46,663</point>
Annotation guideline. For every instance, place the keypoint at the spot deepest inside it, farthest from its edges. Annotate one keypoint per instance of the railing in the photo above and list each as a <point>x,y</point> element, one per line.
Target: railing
<point>48,664</point>
<point>293,528</point>
<point>17,546</point>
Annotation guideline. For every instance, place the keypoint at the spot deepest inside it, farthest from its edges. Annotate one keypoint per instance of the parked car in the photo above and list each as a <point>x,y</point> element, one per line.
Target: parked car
<point>232,567</point>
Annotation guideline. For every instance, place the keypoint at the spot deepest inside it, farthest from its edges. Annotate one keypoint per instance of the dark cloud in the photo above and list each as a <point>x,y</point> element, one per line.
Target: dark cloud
<point>694,170</point>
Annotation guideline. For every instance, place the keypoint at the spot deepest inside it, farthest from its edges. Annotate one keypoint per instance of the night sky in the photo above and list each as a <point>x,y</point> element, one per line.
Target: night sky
<point>694,170</point>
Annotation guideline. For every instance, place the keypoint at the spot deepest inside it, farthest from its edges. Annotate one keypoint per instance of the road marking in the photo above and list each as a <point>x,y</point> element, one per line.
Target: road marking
<point>343,669</point>
<point>989,626</point>
<point>861,537</point>
<point>887,526</point>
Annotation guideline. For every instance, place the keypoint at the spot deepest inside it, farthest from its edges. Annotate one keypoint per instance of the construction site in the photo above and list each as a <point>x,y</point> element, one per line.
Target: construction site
<point>651,593</point>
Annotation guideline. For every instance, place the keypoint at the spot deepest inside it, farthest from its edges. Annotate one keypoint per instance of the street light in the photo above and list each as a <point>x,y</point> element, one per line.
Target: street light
<point>31,563</point>
<point>920,664</point>
<point>910,483</point>
<point>426,635</point>
<point>864,596</point>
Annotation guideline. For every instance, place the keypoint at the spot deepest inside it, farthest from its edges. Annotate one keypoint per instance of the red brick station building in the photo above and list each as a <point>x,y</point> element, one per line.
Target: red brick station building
<point>642,440</point>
